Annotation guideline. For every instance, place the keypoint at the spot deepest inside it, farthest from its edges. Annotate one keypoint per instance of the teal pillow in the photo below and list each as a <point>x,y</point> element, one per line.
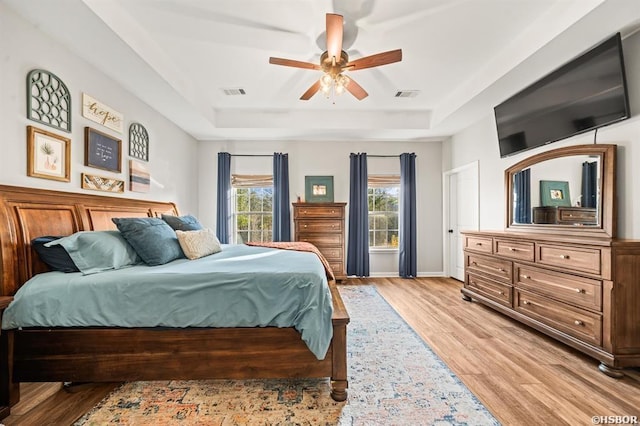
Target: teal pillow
<point>152,238</point>
<point>98,251</point>
<point>182,223</point>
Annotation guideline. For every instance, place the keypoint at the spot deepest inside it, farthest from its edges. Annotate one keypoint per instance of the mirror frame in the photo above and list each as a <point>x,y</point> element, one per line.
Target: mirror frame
<point>607,212</point>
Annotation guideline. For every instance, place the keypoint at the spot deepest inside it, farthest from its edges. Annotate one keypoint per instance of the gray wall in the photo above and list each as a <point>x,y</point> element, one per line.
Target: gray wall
<point>332,158</point>
<point>172,152</point>
<point>479,142</point>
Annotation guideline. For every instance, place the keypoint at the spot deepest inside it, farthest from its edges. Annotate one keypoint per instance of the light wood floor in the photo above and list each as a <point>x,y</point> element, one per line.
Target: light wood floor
<point>520,375</point>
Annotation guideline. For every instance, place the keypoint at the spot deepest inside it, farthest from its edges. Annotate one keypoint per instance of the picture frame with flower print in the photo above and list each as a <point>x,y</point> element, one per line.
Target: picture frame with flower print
<point>48,155</point>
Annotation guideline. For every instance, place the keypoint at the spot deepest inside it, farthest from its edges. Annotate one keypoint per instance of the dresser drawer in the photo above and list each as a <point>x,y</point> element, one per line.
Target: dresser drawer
<point>515,249</point>
<point>498,268</point>
<point>483,245</point>
<point>578,259</point>
<point>331,253</point>
<point>584,325</point>
<point>312,226</point>
<point>493,290</point>
<point>337,268</point>
<point>578,291</point>
<point>318,212</point>
<point>321,239</point>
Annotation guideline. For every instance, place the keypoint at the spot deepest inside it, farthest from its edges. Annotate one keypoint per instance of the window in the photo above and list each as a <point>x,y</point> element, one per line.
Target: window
<point>383,195</point>
<point>252,208</point>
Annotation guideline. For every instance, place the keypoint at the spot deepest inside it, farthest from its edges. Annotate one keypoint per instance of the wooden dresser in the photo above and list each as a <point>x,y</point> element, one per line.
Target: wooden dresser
<point>322,224</point>
<point>583,291</point>
<point>565,215</point>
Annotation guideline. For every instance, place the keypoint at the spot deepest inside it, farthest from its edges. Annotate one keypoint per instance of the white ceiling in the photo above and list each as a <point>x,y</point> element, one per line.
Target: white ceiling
<point>463,56</point>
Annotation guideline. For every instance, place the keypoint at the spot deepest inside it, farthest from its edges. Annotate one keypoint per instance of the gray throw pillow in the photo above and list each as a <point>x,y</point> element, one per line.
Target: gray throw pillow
<point>182,223</point>
<point>97,251</point>
<point>154,241</point>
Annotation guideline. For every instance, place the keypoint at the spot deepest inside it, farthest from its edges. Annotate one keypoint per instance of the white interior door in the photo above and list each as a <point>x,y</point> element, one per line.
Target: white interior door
<point>461,203</point>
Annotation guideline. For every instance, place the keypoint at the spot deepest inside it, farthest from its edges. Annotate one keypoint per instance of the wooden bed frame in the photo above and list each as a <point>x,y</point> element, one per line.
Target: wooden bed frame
<point>127,354</point>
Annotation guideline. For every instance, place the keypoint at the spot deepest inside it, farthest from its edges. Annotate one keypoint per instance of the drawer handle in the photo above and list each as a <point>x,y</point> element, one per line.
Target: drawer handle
<point>526,302</point>
<point>502,270</point>
<point>578,322</point>
<point>305,226</point>
<point>564,256</point>
<point>513,249</point>
<point>333,211</point>
<point>501,293</point>
<point>474,263</point>
<point>333,226</point>
<point>478,244</point>
<point>472,282</point>
<point>526,277</point>
<point>579,290</point>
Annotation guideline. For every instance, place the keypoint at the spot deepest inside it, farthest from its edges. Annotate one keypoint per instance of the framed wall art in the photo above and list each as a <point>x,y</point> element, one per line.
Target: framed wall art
<point>102,151</point>
<point>48,100</point>
<point>318,189</point>
<point>139,178</point>
<point>100,183</point>
<point>48,155</point>
<point>138,142</point>
<point>554,193</point>
<point>100,113</point>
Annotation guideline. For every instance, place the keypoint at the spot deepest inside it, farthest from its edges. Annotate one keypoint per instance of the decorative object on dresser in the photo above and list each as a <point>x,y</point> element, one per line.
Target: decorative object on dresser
<point>555,193</point>
<point>572,280</point>
<point>48,100</point>
<point>322,224</point>
<point>318,189</point>
<point>48,155</point>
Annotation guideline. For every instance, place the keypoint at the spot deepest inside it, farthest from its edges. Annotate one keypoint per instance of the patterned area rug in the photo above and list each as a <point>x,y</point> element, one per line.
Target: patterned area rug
<point>394,379</point>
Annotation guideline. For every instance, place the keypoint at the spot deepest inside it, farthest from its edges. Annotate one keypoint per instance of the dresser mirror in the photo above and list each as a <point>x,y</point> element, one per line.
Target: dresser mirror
<point>569,190</point>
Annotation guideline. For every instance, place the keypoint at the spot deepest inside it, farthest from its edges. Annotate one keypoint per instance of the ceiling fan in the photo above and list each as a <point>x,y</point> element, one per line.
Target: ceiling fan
<point>335,61</point>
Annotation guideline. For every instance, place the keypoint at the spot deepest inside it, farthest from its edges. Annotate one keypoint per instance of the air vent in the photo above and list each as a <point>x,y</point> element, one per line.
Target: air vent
<point>234,91</point>
<point>407,93</point>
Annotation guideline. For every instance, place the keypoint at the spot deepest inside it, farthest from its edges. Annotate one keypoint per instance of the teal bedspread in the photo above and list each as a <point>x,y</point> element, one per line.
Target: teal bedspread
<point>241,286</point>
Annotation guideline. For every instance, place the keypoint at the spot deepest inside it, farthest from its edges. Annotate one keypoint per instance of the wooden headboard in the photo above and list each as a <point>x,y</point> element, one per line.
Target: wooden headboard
<point>27,213</point>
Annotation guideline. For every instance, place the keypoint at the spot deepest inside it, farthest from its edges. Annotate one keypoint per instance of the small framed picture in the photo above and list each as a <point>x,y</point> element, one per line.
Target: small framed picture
<point>318,189</point>
<point>48,155</point>
<point>554,193</point>
<point>102,151</point>
<point>101,183</point>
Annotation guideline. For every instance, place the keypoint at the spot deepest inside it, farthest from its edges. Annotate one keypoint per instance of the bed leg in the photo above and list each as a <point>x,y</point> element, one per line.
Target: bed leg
<point>339,383</point>
<point>9,391</point>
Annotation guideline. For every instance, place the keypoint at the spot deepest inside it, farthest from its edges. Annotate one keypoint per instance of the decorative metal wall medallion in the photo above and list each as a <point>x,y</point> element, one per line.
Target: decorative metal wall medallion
<point>48,100</point>
<point>138,142</point>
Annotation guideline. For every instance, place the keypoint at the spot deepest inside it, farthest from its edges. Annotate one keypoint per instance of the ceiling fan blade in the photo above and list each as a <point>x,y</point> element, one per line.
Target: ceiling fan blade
<point>310,91</point>
<point>356,90</point>
<point>295,64</point>
<point>335,27</point>
<point>376,60</point>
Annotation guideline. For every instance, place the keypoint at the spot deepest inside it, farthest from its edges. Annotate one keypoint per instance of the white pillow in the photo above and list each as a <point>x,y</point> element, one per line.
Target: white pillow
<point>197,244</point>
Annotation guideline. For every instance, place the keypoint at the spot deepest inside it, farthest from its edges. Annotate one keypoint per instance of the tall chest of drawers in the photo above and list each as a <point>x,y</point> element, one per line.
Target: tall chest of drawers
<point>322,224</point>
<point>584,292</point>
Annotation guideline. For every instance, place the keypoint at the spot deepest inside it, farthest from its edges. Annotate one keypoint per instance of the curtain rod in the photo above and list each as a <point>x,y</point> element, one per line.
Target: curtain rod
<point>251,155</point>
<point>383,156</point>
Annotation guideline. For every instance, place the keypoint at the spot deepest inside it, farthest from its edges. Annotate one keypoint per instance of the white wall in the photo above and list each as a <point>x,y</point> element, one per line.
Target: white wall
<point>332,159</point>
<point>172,153</point>
<point>479,142</point>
